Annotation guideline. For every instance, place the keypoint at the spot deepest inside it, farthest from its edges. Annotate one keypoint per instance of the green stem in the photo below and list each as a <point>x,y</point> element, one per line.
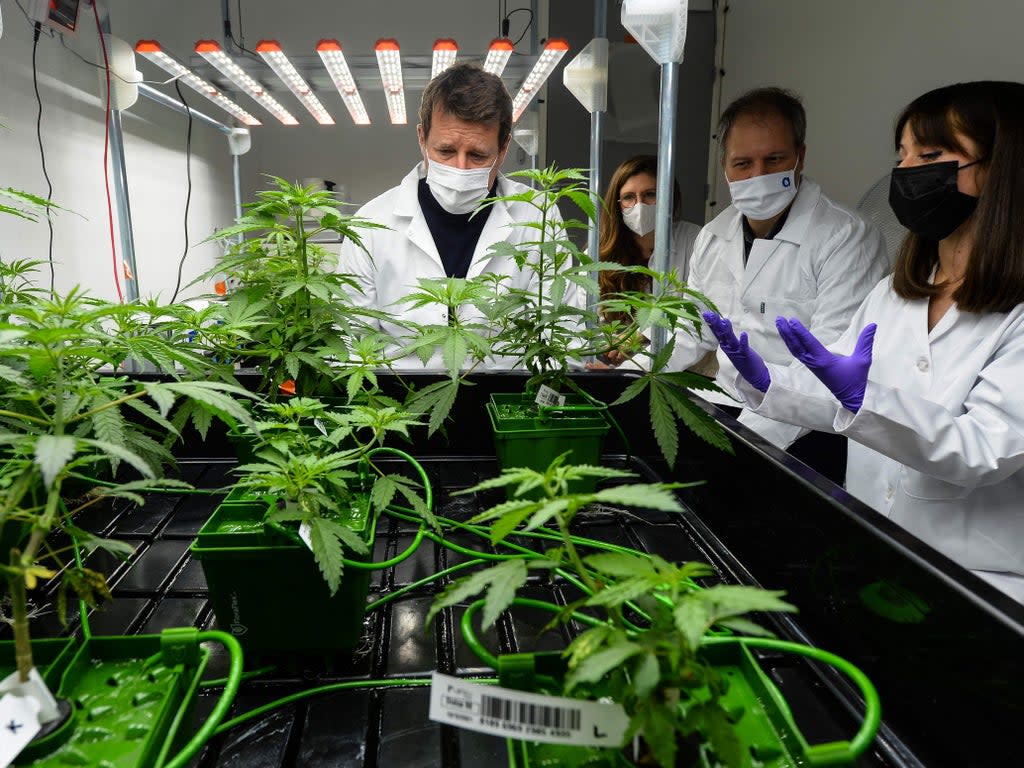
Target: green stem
<point>108,405</point>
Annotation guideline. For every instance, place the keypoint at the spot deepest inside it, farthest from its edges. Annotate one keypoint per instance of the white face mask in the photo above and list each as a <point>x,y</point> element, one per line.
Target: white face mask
<point>640,218</point>
<point>765,196</point>
<point>458,190</point>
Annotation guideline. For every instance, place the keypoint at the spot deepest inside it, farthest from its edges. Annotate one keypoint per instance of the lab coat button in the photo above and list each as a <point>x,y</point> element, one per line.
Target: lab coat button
<point>922,364</point>
<point>746,311</point>
<point>889,493</point>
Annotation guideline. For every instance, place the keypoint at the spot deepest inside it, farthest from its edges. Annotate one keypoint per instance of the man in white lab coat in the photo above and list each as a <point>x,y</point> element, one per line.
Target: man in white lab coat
<point>464,133</point>
<point>780,248</point>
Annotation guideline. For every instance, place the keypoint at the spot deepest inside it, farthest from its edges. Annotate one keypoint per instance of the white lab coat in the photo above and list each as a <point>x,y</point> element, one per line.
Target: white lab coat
<point>818,268</point>
<point>938,445</point>
<point>406,252</point>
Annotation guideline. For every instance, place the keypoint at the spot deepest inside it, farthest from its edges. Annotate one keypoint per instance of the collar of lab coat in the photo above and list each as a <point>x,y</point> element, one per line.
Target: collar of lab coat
<point>729,224</point>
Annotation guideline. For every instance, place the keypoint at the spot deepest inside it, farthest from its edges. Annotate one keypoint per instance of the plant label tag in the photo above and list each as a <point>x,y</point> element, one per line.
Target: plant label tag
<point>319,424</point>
<point>547,396</point>
<point>19,722</point>
<point>306,534</point>
<point>526,716</point>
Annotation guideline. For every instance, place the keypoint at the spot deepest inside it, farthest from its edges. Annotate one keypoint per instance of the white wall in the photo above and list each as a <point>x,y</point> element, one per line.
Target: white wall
<point>72,131</point>
<point>857,64</point>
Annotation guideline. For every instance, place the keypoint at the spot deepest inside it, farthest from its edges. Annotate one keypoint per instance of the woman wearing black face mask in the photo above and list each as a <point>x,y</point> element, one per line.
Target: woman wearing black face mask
<point>926,382</point>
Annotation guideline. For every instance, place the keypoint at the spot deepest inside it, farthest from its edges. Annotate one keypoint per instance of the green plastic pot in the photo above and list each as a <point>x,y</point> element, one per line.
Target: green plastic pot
<point>266,588</point>
<point>132,698</point>
<point>527,435</point>
<point>761,717</point>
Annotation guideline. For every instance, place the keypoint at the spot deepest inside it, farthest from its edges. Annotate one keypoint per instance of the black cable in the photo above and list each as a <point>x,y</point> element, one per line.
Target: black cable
<point>241,34</point>
<point>188,194</point>
<point>528,24</point>
<point>84,60</point>
<point>42,152</point>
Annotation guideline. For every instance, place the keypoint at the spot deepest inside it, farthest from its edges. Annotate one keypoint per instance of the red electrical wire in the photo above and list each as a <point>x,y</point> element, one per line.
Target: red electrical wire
<point>106,148</point>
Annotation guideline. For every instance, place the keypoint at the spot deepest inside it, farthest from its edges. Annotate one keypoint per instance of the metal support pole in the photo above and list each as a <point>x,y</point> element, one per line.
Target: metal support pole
<point>163,99</point>
<point>238,189</point>
<point>596,137</point>
<point>666,170</point>
<point>120,173</point>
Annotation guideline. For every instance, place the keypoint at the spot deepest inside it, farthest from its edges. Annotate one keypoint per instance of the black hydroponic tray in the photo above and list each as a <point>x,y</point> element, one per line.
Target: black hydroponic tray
<point>942,646</point>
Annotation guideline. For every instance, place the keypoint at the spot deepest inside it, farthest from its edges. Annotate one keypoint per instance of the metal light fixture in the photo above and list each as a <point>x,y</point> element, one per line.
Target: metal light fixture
<point>554,50</point>
<point>271,52</point>
<point>389,61</point>
<point>445,51</point>
<point>498,54</point>
<point>211,51</point>
<point>336,66</point>
<point>151,50</point>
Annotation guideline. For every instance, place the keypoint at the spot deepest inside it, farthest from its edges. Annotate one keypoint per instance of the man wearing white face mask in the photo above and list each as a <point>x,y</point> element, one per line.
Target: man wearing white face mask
<point>781,248</point>
<point>464,132</point>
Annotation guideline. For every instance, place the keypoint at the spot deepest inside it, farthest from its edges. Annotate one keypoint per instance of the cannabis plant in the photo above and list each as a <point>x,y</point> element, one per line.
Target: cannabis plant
<point>548,329</point>
<point>68,412</point>
<point>313,460</point>
<point>287,309</point>
<point>650,663</point>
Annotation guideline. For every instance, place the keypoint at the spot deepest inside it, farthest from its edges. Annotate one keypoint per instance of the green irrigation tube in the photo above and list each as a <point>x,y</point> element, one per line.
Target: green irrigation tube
<point>428,498</point>
<point>331,688</point>
<point>210,727</point>
<point>831,753</point>
<point>417,584</point>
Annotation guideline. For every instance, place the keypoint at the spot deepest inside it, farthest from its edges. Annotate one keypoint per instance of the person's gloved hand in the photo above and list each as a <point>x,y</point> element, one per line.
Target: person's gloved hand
<point>845,376</point>
<point>747,361</point>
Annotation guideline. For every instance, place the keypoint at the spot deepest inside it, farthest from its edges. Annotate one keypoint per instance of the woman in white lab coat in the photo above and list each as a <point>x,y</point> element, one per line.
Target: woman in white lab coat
<point>627,232</point>
<point>926,381</point>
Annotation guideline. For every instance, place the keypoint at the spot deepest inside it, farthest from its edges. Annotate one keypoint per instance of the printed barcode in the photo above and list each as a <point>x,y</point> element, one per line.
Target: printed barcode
<point>559,718</point>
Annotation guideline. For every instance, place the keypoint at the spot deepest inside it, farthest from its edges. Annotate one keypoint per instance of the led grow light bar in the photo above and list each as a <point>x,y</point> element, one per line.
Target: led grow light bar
<point>498,54</point>
<point>336,66</point>
<point>389,61</point>
<point>271,52</point>
<point>553,52</point>
<point>211,51</point>
<point>151,50</point>
<point>445,51</point>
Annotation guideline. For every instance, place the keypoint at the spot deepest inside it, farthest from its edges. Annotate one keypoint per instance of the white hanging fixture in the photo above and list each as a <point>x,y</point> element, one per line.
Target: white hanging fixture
<point>336,66</point>
<point>271,52</point>
<point>211,51</point>
<point>389,60</point>
<point>554,50</point>
<point>498,54</point>
<point>445,51</point>
<point>151,50</point>
<point>659,26</point>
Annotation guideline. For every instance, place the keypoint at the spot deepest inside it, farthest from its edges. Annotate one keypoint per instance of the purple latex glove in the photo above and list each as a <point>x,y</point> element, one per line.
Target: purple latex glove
<point>845,376</point>
<point>747,361</point>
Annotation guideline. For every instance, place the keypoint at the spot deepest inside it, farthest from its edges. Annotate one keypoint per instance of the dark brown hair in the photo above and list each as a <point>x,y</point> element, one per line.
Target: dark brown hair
<point>617,241</point>
<point>991,114</point>
<point>765,101</point>
<point>465,91</point>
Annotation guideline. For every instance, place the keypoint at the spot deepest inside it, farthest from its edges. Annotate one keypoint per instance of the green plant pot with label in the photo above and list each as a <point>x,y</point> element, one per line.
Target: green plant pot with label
<point>266,588</point>
<point>759,713</point>
<point>132,698</point>
<point>531,435</point>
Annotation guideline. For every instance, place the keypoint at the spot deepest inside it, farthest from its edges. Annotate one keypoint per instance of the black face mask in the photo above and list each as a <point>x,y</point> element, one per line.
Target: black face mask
<point>926,201</point>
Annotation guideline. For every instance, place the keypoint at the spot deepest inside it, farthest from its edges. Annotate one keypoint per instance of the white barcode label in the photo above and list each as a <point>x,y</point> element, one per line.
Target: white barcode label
<point>547,396</point>
<point>527,716</point>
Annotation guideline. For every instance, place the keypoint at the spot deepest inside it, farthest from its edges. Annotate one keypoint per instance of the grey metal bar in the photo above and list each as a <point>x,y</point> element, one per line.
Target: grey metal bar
<point>238,189</point>
<point>666,170</point>
<point>596,137</point>
<point>163,99</point>
<point>120,173</point>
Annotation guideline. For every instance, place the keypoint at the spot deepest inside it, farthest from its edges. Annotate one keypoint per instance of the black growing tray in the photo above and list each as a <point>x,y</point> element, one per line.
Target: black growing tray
<point>949,679</point>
